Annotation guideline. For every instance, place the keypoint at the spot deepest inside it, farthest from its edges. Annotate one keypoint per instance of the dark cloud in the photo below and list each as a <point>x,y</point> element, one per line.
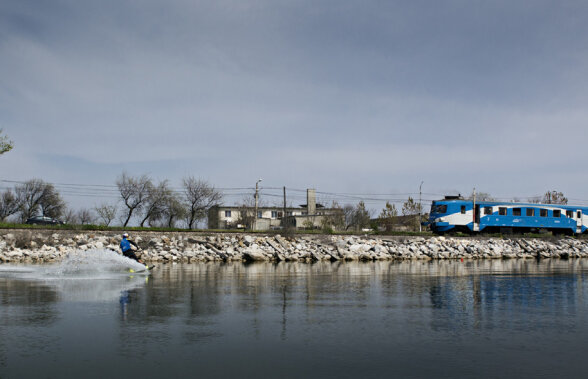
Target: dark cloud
<point>339,95</point>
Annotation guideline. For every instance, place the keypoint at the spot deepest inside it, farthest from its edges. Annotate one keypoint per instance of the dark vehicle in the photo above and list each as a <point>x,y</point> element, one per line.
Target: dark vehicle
<point>43,220</point>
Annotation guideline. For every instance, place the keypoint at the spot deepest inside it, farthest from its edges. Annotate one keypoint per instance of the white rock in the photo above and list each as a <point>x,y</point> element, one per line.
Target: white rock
<point>254,254</point>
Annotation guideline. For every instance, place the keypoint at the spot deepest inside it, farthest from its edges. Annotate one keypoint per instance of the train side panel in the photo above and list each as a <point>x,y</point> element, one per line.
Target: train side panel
<point>527,216</point>
<point>458,215</point>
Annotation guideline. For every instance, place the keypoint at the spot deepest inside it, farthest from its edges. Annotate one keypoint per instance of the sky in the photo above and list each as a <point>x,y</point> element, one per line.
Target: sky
<point>357,99</point>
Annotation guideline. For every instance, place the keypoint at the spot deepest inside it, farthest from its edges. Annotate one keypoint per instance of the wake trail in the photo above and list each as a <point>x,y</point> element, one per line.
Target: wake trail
<point>97,261</point>
<point>90,275</point>
<point>80,264</point>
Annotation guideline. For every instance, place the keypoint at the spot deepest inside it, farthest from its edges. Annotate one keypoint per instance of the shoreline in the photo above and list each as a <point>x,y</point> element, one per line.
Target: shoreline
<point>23,246</point>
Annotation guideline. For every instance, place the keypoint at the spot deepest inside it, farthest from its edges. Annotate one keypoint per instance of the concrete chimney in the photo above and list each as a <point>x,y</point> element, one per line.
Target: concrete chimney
<point>311,201</point>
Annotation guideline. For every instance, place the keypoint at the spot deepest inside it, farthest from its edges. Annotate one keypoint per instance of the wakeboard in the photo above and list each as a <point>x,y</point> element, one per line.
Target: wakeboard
<point>145,269</point>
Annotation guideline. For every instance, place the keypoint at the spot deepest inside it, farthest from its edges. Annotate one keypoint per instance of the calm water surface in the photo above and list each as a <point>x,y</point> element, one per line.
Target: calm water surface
<point>383,319</point>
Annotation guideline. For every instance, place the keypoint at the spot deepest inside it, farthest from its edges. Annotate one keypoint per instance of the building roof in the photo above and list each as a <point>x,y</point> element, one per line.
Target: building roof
<point>258,208</point>
<point>317,205</point>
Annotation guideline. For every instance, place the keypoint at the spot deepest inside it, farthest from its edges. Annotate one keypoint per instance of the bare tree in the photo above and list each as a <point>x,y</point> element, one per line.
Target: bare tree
<point>199,197</point>
<point>85,216</point>
<point>5,144</point>
<point>52,205</point>
<point>246,216</point>
<point>106,213</point>
<point>348,213</point>
<point>361,216</point>
<point>155,201</point>
<point>554,197</point>
<point>173,209</point>
<point>37,197</point>
<point>355,216</point>
<point>412,208</point>
<point>481,196</point>
<point>70,217</point>
<point>134,192</point>
<point>550,197</point>
<point>246,213</point>
<point>8,204</point>
<point>335,218</point>
<point>389,216</point>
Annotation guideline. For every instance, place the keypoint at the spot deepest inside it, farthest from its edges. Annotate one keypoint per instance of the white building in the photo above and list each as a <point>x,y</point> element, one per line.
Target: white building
<point>241,217</point>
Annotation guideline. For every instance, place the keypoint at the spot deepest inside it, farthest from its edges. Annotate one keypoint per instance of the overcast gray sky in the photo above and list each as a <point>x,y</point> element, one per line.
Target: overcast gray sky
<point>363,97</point>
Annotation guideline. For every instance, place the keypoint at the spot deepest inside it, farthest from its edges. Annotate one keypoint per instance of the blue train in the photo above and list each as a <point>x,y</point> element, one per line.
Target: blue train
<point>455,214</point>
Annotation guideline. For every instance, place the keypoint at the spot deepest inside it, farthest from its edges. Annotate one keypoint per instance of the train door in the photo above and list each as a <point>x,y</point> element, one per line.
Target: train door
<point>477,218</point>
<point>579,221</point>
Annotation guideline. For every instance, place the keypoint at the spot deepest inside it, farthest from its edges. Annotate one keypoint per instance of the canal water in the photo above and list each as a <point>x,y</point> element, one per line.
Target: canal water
<point>89,317</point>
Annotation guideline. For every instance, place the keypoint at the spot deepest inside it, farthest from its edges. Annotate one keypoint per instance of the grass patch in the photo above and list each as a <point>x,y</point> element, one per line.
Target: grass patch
<point>283,232</point>
<point>412,234</point>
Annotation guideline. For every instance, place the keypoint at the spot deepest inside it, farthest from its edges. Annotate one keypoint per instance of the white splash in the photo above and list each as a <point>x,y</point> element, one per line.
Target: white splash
<point>91,275</point>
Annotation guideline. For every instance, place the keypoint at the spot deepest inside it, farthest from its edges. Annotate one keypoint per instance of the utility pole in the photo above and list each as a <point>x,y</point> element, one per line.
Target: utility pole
<point>256,204</point>
<point>284,211</point>
<point>420,207</point>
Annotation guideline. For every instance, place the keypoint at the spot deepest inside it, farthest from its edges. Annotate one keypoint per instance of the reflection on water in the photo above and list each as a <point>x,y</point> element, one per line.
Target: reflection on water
<point>411,318</point>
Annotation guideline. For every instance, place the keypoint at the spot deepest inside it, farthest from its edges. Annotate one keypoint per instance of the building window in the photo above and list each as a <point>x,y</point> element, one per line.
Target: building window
<point>463,209</point>
<point>530,212</point>
<point>228,214</point>
<point>570,214</point>
<point>516,211</point>
<point>502,211</point>
<point>487,210</point>
<point>288,213</point>
<point>543,212</point>
<point>274,214</point>
<point>557,213</point>
<point>259,213</point>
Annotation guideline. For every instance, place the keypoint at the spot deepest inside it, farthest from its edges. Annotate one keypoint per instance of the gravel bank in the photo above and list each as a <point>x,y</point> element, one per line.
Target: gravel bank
<point>49,246</point>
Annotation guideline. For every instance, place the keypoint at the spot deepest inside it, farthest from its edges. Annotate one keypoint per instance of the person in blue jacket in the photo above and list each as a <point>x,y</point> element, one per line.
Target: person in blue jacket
<point>126,245</point>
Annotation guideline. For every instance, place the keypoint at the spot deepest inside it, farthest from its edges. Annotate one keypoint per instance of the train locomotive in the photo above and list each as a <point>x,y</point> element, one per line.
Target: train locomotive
<point>455,214</point>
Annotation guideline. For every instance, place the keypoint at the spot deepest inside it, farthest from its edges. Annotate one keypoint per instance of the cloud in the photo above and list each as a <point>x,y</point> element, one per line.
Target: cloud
<point>374,95</point>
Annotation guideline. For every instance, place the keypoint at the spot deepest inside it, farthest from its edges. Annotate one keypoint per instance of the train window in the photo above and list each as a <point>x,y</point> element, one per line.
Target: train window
<point>502,211</point>
<point>441,208</point>
<point>543,212</point>
<point>530,212</point>
<point>557,213</point>
<point>463,209</point>
<point>516,211</point>
<point>487,210</point>
<point>579,214</point>
<point>570,214</point>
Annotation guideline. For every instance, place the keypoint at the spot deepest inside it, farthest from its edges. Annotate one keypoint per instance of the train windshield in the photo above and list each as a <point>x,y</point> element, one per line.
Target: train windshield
<point>439,208</point>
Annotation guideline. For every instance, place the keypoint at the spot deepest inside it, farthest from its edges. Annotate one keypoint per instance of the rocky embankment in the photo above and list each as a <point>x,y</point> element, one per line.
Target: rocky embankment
<point>48,246</point>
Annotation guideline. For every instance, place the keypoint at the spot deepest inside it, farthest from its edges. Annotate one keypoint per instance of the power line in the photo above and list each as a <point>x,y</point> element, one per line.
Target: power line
<point>294,194</point>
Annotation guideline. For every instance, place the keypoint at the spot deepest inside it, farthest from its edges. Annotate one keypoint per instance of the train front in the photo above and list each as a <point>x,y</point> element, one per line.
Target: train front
<point>439,217</point>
